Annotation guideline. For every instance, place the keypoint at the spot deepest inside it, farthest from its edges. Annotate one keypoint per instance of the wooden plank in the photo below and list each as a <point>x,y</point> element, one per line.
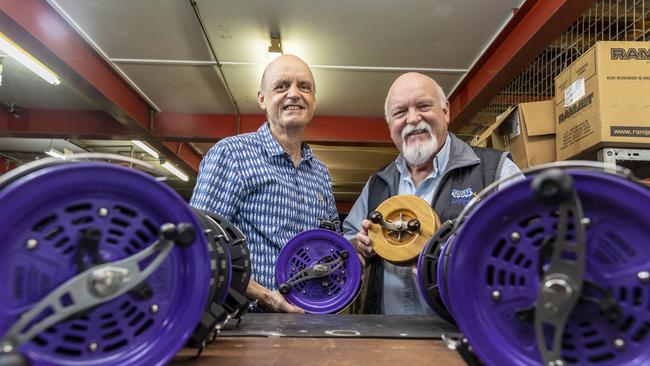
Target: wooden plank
<point>255,351</point>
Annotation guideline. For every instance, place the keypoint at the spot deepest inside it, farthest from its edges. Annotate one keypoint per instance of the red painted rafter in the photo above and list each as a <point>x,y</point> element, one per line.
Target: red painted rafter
<point>211,127</point>
<point>533,27</point>
<point>6,165</point>
<point>40,30</point>
<point>47,123</point>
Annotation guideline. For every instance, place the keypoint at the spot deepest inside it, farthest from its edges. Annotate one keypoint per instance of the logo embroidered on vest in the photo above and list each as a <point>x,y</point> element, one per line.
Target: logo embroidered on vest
<point>461,197</point>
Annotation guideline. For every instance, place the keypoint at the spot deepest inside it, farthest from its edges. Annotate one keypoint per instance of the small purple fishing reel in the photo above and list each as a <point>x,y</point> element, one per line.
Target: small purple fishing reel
<point>103,265</point>
<point>552,269</point>
<point>318,271</point>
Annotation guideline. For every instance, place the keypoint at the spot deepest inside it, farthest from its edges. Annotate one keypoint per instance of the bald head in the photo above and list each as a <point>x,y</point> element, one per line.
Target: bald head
<point>284,64</point>
<point>287,94</point>
<point>411,83</point>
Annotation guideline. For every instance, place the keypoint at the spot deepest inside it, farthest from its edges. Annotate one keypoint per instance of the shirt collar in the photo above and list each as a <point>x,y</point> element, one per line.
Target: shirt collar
<point>273,148</point>
<point>439,161</point>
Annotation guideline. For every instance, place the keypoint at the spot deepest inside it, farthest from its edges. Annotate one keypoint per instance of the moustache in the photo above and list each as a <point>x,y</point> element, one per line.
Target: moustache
<point>409,128</point>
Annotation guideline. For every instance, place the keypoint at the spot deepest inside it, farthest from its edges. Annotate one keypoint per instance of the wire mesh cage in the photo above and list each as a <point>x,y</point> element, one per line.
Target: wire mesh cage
<point>606,20</point>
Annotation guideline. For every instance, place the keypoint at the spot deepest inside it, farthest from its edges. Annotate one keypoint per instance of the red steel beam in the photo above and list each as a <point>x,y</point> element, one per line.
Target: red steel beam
<point>47,123</point>
<point>67,124</point>
<point>6,165</point>
<point>533,27</point>
<point>41,31</point>
<point>185,152</point>
<point>211,127</point>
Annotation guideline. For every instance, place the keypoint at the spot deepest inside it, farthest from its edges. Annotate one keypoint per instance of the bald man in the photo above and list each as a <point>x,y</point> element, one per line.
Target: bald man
<point>434,165</point>
<point>267,182</point>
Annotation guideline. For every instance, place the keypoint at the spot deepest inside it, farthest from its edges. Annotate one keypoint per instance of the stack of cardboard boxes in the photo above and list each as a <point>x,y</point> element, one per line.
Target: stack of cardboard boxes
<point>601,100</point>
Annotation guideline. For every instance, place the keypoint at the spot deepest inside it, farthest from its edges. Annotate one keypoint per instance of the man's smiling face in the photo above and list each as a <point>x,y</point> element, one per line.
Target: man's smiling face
<point>288,93</point>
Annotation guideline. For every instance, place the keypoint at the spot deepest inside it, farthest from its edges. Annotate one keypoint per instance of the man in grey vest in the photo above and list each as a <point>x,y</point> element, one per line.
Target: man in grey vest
<point>434,165</point>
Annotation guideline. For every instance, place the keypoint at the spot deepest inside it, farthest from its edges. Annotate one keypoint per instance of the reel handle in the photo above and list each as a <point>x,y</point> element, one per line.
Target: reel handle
<point>376,217</point>
<point>552,187</point>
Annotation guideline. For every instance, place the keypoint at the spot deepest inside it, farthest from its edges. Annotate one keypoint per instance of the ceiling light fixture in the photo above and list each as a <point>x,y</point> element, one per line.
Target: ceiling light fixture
<point>174,170</point>
<point>146,148</point>
<point>276,44</point>
<point>27,60</point>
<point>275,49</point>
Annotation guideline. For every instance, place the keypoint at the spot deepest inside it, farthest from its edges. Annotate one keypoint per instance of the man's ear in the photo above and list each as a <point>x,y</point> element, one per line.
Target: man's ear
<point>261,100</point>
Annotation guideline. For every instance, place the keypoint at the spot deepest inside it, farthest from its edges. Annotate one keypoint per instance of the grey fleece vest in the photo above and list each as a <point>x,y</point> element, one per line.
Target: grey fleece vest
<point>470,169</point>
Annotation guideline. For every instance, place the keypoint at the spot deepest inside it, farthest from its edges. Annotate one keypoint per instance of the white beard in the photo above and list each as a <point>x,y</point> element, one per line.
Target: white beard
<point>417,153</point>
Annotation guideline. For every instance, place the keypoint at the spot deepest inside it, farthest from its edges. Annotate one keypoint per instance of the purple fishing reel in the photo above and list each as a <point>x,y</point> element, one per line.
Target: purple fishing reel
<point>553,269</point>
<point>318,271</point>
<point>102,265</point>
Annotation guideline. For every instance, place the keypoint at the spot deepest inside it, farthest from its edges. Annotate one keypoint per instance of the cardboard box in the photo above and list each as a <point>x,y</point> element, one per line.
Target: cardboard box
<point>603,99</point>
<point>527,131</point>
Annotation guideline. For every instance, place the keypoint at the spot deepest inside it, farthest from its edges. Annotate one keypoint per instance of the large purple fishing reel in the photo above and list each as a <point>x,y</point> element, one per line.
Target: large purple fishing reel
<point>102,265</point>
<point>318,271</point>
<point>553,269</point>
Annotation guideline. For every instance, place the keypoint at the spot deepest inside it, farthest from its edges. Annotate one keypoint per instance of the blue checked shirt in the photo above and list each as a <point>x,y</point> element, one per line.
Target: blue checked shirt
<point>252,182</point>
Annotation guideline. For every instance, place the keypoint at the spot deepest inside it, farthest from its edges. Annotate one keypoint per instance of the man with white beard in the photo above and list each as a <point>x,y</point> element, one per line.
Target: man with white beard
<point>434,165</point>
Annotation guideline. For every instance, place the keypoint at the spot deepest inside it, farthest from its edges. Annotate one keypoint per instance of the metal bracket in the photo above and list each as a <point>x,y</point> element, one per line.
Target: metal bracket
<point>610,156</point>
<point>460,345</point>
<point>96,285</point>
<point>315,271</point>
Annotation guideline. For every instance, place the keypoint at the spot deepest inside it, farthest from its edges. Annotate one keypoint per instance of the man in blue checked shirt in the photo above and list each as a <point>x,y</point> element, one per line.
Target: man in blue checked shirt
<point>268,183</point>
<point>434,165</point>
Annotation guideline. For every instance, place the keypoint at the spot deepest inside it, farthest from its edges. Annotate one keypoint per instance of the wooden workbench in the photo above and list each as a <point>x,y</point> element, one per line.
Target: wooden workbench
<point>284,339</point>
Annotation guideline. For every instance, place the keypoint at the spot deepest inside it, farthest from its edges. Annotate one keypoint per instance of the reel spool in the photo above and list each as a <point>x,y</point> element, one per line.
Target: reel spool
<point>230,260</point>
<point>427,267</point>
<point>402,225</point>
<point>93,274</point>
<point>552,270</point>
<point>318,271</point>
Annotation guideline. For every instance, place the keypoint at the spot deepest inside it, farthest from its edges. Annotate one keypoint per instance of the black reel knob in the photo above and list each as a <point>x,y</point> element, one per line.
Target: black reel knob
<point>552,187</point>
<point>284,289</point>
<point>12,357</point>
<point>414,225</point>
<point>182,234</point>
<point>376,217</point>
<point>185,234</point>
<point>345,254</point>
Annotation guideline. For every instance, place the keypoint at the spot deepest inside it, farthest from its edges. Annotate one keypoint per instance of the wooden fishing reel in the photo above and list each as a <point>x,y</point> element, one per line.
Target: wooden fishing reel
<point>401,226</point>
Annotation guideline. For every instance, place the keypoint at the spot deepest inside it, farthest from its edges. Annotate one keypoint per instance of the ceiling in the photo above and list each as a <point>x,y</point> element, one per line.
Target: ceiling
<point>356,49</point>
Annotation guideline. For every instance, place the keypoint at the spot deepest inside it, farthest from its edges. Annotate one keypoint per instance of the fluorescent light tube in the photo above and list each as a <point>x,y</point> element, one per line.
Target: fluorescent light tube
<point>55,154</point>
<point>175,171</point>
<point>20,55</point>
<point>146,148</point>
